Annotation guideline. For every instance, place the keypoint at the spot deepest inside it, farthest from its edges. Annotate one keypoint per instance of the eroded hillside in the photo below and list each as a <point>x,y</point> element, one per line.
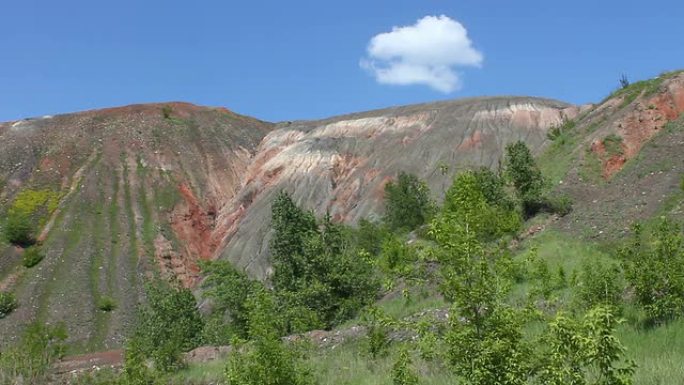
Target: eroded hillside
<point>138,189</point>
<point>121,193</point>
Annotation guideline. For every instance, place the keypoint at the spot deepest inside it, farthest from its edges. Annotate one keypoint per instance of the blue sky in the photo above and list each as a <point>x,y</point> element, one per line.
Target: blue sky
<point>286,60</point>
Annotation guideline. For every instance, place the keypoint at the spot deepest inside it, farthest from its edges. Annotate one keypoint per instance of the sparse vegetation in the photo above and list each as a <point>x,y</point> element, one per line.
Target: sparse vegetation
<point>106,303</point>
<point>32,256</point>
<point>8,303</point>
<point>613,145</point>
<point>30,359</point>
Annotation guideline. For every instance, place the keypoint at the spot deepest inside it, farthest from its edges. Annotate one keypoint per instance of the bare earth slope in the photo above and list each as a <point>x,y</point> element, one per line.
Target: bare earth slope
<point>152,189</point>
<point>342,164</point>
<point>138,190</point>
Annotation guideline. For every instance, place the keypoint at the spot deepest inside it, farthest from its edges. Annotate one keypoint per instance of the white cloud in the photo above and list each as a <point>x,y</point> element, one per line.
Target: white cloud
<point>427,53</point>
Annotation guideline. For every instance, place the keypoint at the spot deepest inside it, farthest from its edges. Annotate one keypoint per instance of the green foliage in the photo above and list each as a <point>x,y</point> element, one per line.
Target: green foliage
<point>656,271</point>
<point>613,145</point>
<point>646,88</point>
<point>27,213</point>
<point>586,352</point>
<point>600,284</point>
<point>407,203</point>
<point>402,371</point>
<point>28,361</point>
<point>229,289</point>
<point>561,205</point>
<point>560,133</point>
<point>376,342</point>
<point>168,324</point>
<point>484,338</point>
<point>320,278</point>
<point>492,351</point>
<point>493,188</point>
<point>167,110</point>
<point>32,256</point>
<point>267,360</point>
<point>8,303</point>
<point>467,203</point>
<point>19,230</point>
<point>522,171</point>
<point>106,303</point>
<point>370,236</point>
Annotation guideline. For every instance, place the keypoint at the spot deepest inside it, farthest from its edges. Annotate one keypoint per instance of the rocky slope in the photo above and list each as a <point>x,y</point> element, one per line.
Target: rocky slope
<point>340,165</point>
<point>138,190</point>
<point>121,193</point>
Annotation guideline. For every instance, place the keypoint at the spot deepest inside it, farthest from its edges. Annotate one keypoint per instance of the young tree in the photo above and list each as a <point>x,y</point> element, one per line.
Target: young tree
<point>168,324</point>
<point>320,278</point>
<point>229,289</point>
<point>267,360</point>
<point>522,171</point>
<point>407,203</point>
<point>484,337</point>
<point>656,271</point>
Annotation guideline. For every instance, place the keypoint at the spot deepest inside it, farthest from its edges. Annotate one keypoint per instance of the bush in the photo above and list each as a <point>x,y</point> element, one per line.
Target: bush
<point>268,359</point>
<point>656,271</point>
<point>561,205</point>
<point>168,324</point>
<point>600,285</point>
<point>320,278</point>
<point>18,230</point>
<point>407,203</point>
<point>229,289</point>
<point>8,303</point>
<point>28,362</point>
<point>521,169</point>
<point>32,256</point>
<point>106,303</point>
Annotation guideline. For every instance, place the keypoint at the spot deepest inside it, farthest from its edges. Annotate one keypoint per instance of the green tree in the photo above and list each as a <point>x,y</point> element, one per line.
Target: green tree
<point>402,371</point>
<point>407,202</point>
<point>28,361</point>
<point>229,289</point>
<point>168,324</point>
<point>8,303</point>
<point>656,271</point>
<point>484,340</point>
<point>521,169</point>
<point>585,352</point>
<point>19,230</point>
<point>266,360</point>
<point>320,278</point>
<point>600,284</point>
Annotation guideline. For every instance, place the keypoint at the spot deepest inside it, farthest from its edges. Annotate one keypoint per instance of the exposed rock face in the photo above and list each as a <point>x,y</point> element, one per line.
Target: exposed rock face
<point>636,123</point>
<point>341,165</point>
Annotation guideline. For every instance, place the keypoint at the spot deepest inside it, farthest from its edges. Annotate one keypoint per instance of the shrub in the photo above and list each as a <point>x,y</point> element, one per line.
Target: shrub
<point>559,133</point>
<point>268,359</point>
<point>168,324</point>
<point>32,256</point>
<point>28,361</point>
<point>106,303</point>
<point>229,289</point>
<point>19,230</point>
<point>613,145</point>
<point>8,303</point>
<point>521,169</point>
<point>599,285</point>
<point>320,278</point>
<point>407,203</point>
<point>656,271</point>
<point>402,371</point>
<point>166,111</point>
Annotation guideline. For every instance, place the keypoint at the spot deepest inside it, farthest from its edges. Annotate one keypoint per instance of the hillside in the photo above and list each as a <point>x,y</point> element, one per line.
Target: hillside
<point>119,194</point>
